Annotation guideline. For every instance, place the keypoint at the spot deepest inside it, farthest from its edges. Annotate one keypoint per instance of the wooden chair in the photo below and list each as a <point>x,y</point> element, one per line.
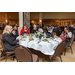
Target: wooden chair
<point>58,51</point>
<point>7,54</point>
<point>74,34</point>
<point>70,45</point>
<point>23,54</point>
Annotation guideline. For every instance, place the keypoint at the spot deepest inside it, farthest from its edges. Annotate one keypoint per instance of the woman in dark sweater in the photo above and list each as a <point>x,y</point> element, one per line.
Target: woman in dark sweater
<point>8,40</point>
<point>34,29</point>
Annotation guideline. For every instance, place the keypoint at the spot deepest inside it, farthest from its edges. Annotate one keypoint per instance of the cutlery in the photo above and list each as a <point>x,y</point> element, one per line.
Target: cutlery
<point>38,42</point>
<point>56,41</point>
<point>49,42</point>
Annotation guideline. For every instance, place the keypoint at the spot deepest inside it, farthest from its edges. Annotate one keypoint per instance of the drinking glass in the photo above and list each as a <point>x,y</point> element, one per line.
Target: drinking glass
<point>30,36</point>
<point>45,35</point>
<point>40,36</point>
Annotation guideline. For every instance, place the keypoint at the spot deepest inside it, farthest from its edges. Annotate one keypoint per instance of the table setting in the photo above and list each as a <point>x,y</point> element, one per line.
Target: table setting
<point>39,42</point>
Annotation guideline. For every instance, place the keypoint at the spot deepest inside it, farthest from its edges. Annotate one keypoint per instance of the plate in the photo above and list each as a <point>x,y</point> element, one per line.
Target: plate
<point>45,40</point>
<point>23,36</point>
<point>31,39</point>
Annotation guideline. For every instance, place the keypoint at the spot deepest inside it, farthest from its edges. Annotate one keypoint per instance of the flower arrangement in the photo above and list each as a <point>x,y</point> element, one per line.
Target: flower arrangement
<point>38,34</point>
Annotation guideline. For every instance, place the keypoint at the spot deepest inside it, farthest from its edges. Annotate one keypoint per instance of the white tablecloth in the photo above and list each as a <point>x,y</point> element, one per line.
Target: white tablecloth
<point>45,47</point>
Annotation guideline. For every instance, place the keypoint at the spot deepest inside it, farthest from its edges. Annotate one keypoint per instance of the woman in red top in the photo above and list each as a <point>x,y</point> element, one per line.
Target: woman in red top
<point>63,35</point>
<point>24,30</point>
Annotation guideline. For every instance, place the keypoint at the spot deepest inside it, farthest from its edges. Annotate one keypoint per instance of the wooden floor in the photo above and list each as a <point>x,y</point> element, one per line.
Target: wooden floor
<point>67,58</point>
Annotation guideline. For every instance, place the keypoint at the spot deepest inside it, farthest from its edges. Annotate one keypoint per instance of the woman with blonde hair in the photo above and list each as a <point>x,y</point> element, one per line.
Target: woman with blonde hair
<point>8,41</point>
<point>34,29</point>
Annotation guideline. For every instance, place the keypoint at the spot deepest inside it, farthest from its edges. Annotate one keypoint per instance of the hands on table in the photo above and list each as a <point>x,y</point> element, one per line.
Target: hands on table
<point>20,38</point>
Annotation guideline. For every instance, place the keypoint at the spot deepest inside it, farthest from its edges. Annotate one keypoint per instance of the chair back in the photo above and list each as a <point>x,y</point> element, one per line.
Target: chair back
<point>23,54</point>
<point>72,39</point>
<point>60,48</point>
<point>74,32</point>
<point>2,44</point>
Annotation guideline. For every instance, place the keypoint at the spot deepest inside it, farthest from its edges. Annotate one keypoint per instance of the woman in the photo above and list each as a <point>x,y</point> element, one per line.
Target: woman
<point>15,31</point>
<point>24,30</point>
<point>9,42</point>
<point>63,36</point>
<point>66,35</point>
<point>34,29</point>
<point>40,29</point>
<point>48,35</point>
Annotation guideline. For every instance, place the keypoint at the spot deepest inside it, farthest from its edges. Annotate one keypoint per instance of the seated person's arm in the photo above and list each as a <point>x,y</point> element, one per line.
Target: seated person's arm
<point>28,32</point>
<point>69,34</point>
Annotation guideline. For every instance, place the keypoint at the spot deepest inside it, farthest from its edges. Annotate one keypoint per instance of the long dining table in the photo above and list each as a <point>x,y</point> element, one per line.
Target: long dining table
<point>46,47</point>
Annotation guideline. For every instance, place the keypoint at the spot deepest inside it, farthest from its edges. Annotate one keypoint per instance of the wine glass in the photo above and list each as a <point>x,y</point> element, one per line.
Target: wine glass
<point>30,36</point>
<point>24,34</point>
<point>45,35</point>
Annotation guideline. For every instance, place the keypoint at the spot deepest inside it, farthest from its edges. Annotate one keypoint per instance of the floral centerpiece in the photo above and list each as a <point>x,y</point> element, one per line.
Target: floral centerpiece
<point>38,34</point>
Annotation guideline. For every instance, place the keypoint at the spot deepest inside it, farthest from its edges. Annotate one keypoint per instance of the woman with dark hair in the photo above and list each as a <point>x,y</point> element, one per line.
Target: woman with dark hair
<point>48,35</point>
<point>15,31</point>
<point>66,35</point>
<point>24,30</point>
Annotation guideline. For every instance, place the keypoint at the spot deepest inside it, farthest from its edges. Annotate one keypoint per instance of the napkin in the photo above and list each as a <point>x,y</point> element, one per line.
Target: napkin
<point>53,42</point>
<point>58,39</point>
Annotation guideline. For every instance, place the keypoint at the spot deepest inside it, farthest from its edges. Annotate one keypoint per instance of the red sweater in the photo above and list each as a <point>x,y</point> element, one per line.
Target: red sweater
<point>22,30</point>
<point>63,37</point>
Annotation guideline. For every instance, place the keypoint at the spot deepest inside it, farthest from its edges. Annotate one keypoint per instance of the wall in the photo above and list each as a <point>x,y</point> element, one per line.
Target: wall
<point>53,15</point>
<point>49,22</point>
<point>12,22</point>
<point>34,15</point>
<point>2,17</point>
<point>12,17</point>
<point>58,15</point>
